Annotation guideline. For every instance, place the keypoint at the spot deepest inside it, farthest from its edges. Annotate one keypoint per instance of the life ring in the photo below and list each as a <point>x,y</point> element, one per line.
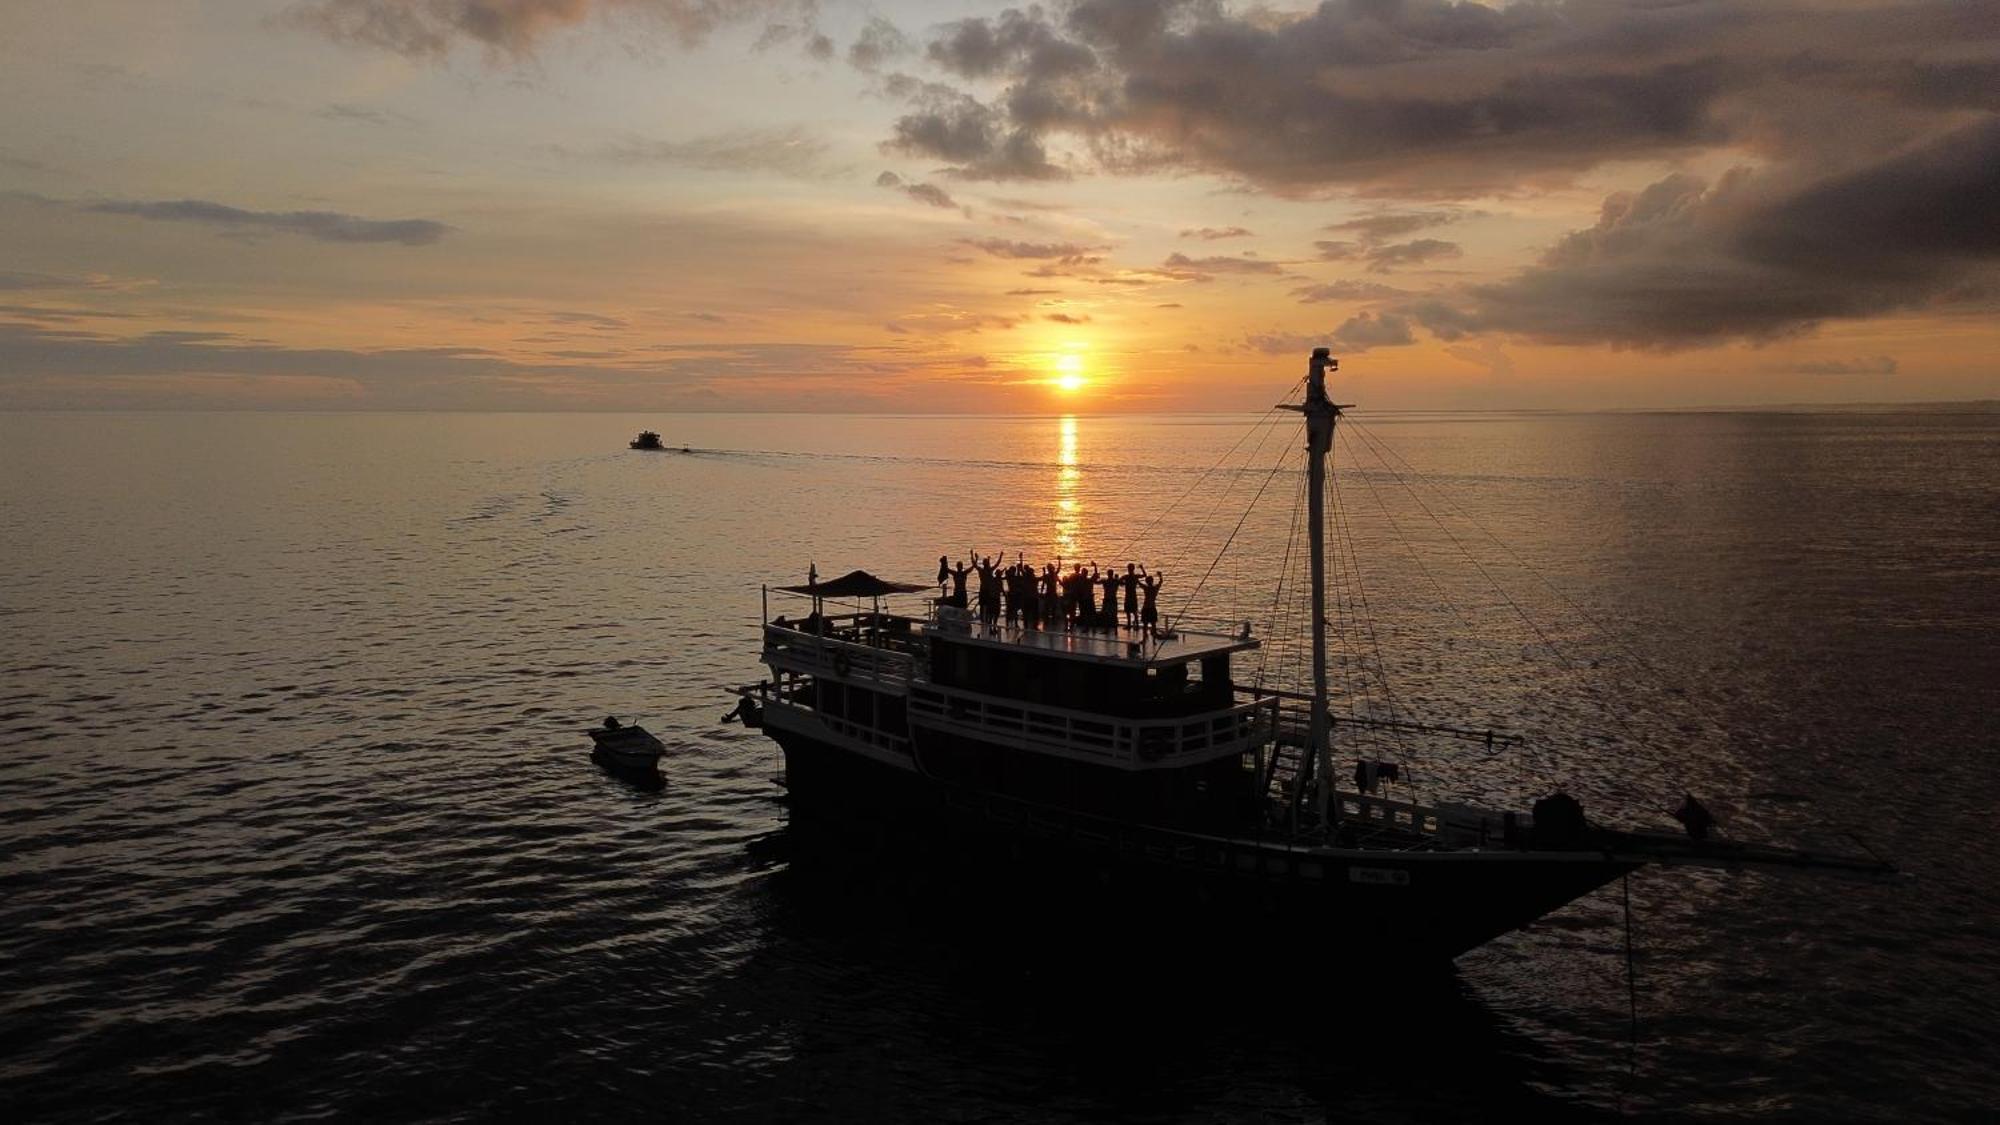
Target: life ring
<point>843,664</point>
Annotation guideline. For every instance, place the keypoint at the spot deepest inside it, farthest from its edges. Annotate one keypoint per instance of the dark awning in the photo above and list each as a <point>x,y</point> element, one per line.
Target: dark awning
<point>855,584</point>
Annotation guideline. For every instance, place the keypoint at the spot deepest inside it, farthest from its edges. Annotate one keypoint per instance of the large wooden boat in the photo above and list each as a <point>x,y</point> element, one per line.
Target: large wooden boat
<point>1133,760</point>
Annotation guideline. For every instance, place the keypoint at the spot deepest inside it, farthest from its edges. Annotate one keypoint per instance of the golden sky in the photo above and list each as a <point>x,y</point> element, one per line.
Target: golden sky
<point>1105,205</point>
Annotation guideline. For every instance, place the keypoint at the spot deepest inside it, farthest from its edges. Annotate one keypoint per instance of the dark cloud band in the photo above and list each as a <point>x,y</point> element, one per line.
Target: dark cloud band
<point>325,226</point>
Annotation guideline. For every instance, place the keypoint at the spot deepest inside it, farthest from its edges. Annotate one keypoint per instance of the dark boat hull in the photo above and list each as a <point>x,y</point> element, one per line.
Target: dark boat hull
<point>1424,906</point>
<point>632,747</point>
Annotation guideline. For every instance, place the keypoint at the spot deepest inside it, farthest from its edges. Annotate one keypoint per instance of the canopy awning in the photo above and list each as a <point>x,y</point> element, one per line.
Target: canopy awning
<point>856,584</point>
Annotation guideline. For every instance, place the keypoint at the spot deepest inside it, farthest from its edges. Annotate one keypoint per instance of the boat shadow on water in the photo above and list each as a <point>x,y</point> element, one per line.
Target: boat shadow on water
<point>991,994</point>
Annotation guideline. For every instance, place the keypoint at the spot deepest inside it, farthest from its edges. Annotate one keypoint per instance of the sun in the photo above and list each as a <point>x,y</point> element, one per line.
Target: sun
<point>1069,374</point>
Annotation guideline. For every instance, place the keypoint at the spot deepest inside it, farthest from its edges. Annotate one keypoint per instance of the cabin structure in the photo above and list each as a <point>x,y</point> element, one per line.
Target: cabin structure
<point>1111,721</point>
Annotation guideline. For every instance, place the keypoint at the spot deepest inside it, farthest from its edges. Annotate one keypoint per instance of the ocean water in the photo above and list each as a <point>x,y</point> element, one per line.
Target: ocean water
<point>299,821</point>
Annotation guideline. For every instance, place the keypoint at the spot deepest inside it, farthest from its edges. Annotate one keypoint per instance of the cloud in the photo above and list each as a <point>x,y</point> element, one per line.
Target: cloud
<point>1067,318</point>
<point>1874,365</point>
<point>878,42</point>
<point>512,28</point>
<point>325,226</point>
<point>1372,330</point>
<point>970,135</point>
<point>1758,255</point>
<point>19,281</point>
<point>791,152</point>
<point>922,193</point>
<point>365,115</point>
<point>1347,291</point>
<point>587,320</point>
<point>1384,225</point>
<point>1448,97</point>
<point>1280,343</point>
<point>1069,252</point>
<point>1382,258</point>
<point>1205,268</point>
<point>1211,234</point>
<point>61,314</point>
<point>48,367</point>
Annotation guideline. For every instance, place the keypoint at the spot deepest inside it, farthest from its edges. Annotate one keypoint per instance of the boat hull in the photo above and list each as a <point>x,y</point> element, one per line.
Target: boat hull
<point>1394,905</point>
<point>632,747</point>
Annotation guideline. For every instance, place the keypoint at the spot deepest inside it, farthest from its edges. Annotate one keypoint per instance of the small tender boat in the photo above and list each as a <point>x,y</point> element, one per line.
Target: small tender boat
<point>626,745</point>
<point>647,439</point>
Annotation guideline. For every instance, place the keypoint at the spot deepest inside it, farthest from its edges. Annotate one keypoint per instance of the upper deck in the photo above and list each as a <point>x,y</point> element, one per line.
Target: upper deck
<point>1120,645</point>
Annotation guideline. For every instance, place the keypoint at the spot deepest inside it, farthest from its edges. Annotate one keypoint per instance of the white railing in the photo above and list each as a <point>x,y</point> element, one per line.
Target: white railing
<point>796,651</point>
<point>798,696</point>
<point>1127,743</point>
<point>1369,811</point>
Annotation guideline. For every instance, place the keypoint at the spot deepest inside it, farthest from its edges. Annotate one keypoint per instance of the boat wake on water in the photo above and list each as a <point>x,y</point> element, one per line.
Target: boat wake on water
<point>1207,770</point>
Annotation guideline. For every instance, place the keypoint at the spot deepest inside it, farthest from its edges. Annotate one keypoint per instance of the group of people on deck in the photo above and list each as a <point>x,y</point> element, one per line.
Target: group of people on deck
<point>1052,597</point>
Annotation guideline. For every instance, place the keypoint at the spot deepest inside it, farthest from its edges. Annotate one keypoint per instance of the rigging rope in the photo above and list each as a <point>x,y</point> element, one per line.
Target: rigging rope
<point>1364,614</point>
<point>1624,721</point>
<point>1467,552</point>
<point>1194,537</point>
<point>1530,568</point>
<point>1254,427</point>
<point>1247,509</point>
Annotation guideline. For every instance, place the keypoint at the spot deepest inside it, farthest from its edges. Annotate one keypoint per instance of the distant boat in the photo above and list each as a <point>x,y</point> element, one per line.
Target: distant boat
<point>623,745</point>
<point>649,440</point>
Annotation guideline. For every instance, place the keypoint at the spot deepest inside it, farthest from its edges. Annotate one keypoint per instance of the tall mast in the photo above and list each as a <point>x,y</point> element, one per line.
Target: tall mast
<point>1320,412</point>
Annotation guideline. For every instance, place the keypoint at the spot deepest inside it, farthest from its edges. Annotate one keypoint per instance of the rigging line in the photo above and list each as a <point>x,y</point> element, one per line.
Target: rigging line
<point>1164,512</point>
<point>1247,509</point>
<point>1358,594</point>
<point>1358,701</point>
<point>1284,574</point>
<point>1365,616</point>
<point>1524,564</point>
<point>1194,537</point>
<point>1409,545</point>
<point>1283,628</point>
<point>1643,664</point>
<point>1405,745</point>
<point>1470,557</point>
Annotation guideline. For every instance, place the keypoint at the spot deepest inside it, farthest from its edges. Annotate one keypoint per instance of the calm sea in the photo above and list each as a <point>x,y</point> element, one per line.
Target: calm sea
<point>299,820</point>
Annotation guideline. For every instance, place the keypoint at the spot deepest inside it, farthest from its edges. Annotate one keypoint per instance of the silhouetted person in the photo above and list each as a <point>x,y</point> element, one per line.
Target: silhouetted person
<point>1149,584</point>
<point>1131,583</point>
<point>944,574</point>
<point>958,573</point>
<point>1108,616</point>
<point>611,723</point>
<point>989,593</point>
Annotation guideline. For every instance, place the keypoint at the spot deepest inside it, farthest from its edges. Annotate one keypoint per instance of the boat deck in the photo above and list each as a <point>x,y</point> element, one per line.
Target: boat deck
<point>1120,645</point>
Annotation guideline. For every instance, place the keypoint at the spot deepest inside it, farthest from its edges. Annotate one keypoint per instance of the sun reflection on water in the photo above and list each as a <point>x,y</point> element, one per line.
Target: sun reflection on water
<point>1069,508</point>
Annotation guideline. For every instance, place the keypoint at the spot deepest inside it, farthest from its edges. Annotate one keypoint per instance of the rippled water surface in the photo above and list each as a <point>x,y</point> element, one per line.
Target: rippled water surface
<point>299,821</point>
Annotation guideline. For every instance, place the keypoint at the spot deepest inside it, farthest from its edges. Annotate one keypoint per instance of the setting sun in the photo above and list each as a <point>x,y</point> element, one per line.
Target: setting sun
<point>1069,373</point>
